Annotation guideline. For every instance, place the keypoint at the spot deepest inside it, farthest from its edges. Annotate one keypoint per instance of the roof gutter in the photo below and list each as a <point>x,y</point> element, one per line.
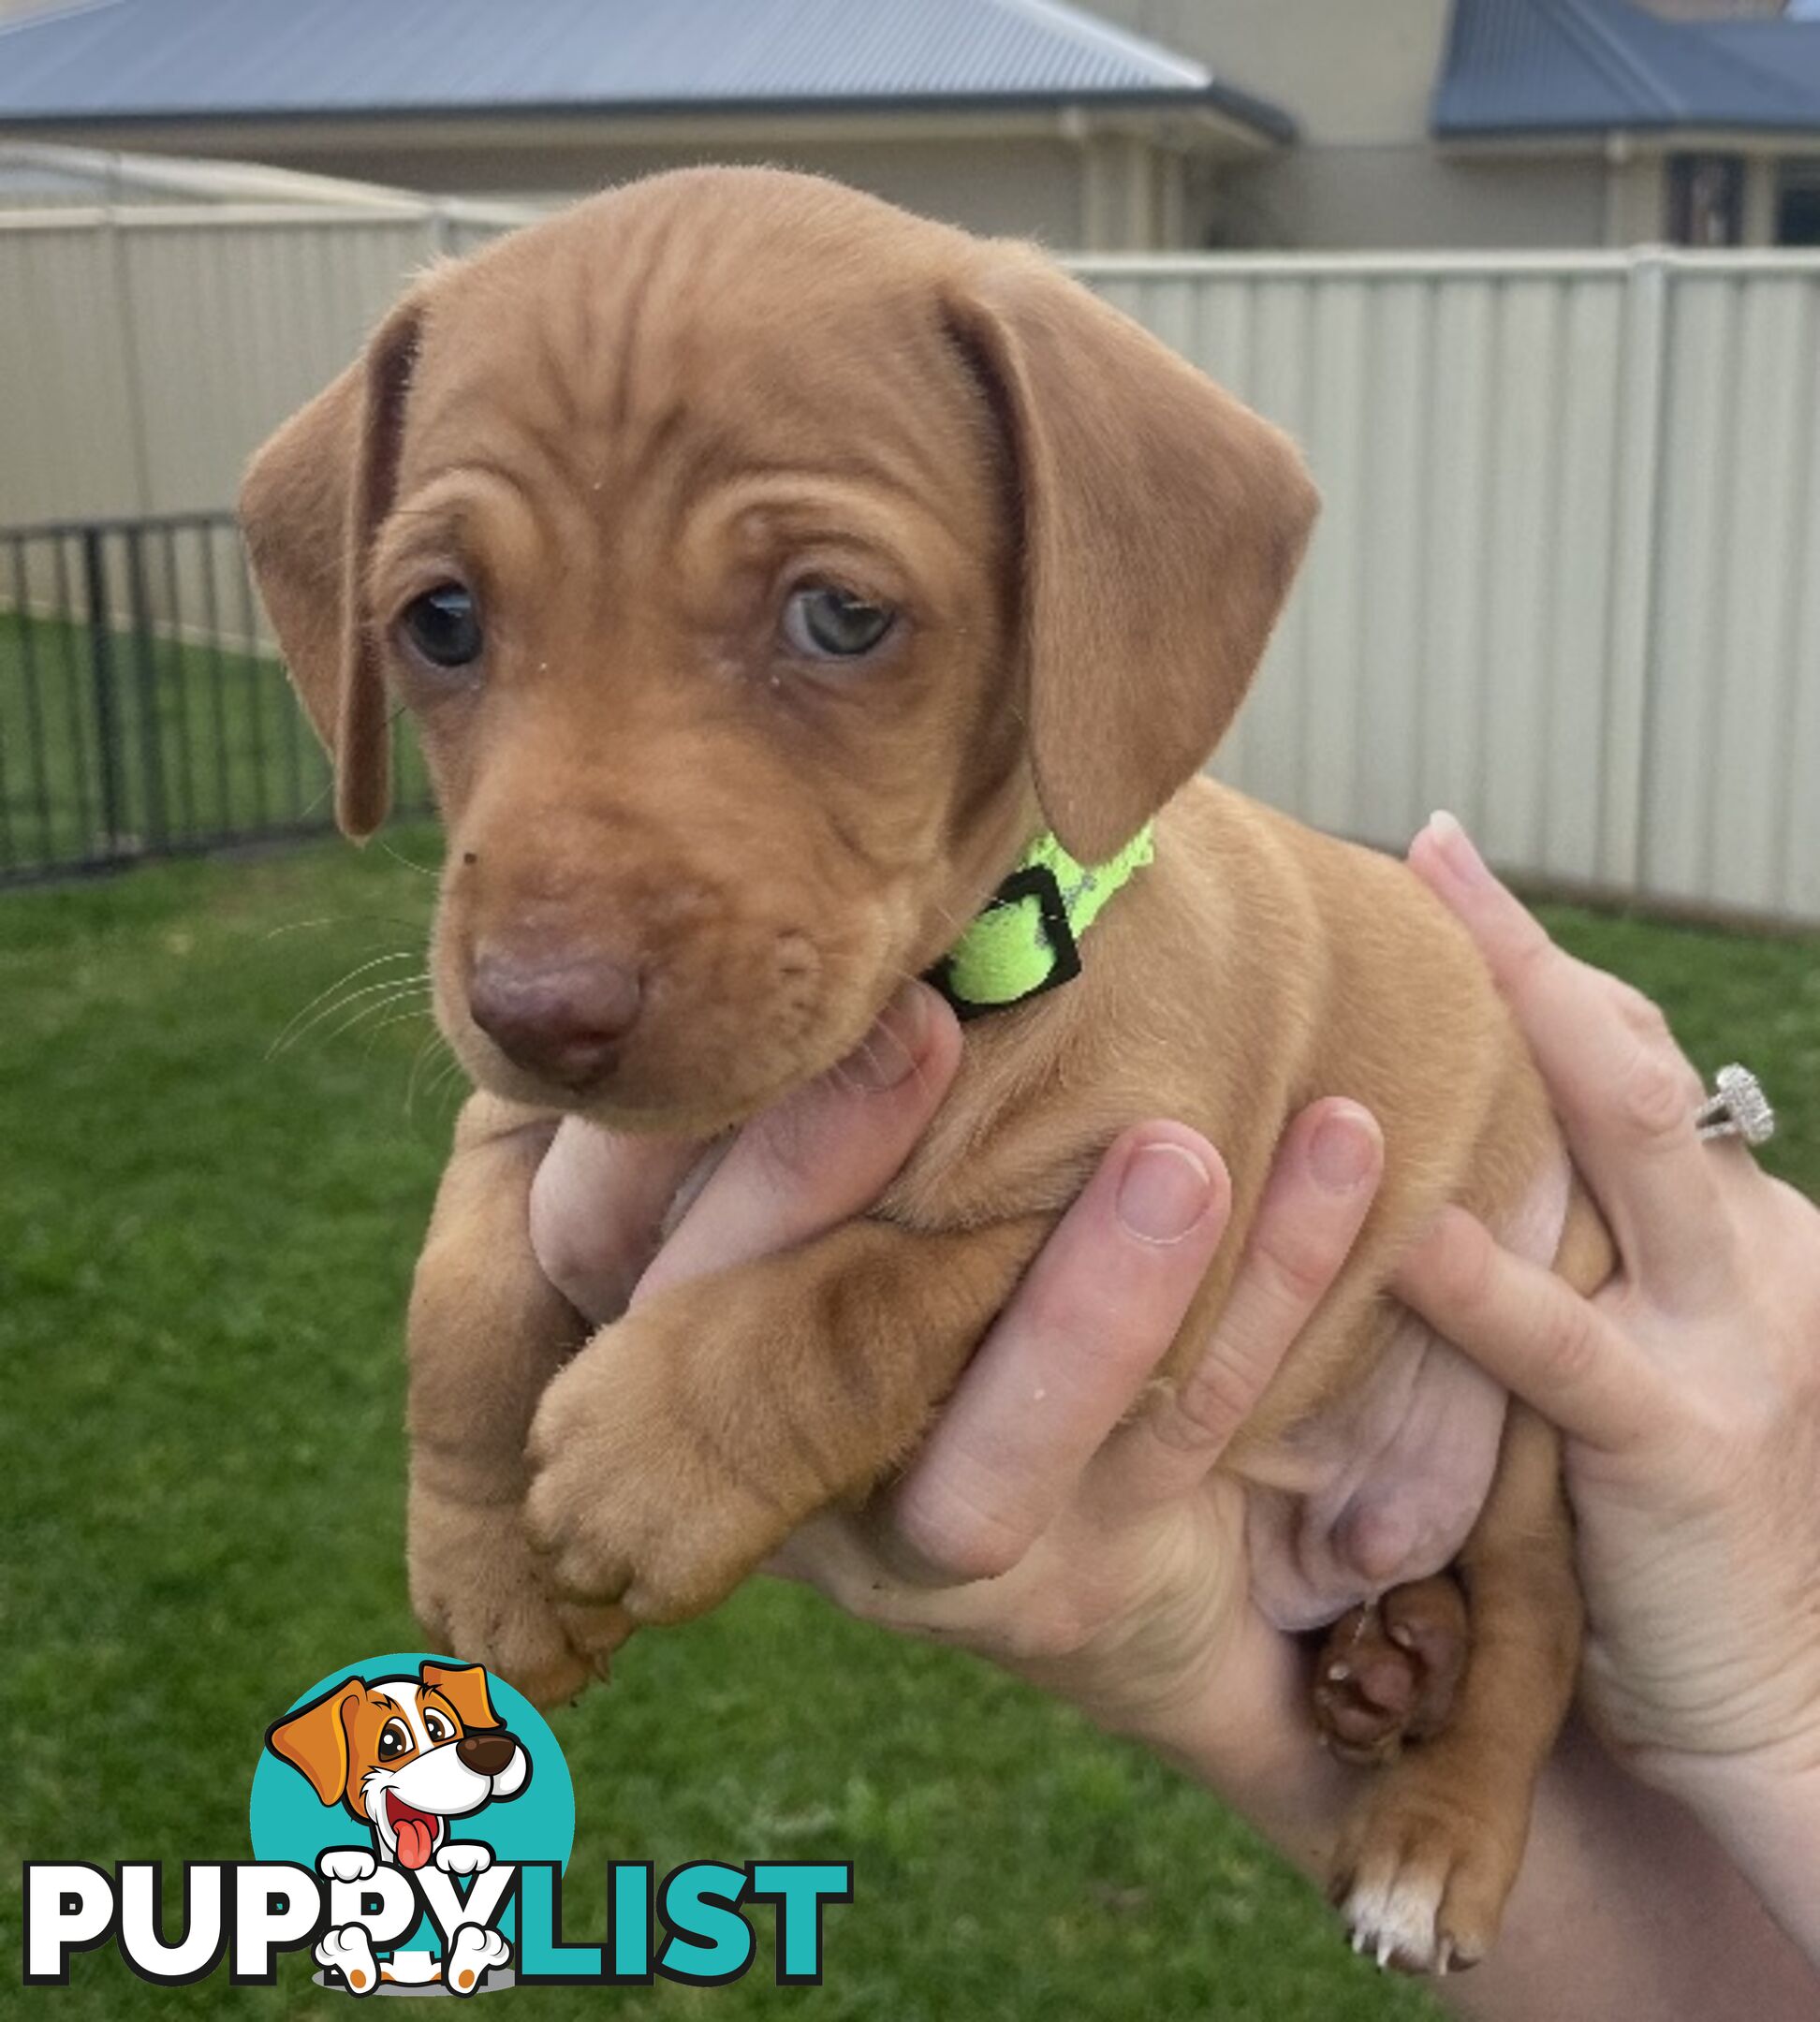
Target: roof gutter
<point>1230,105</point>
<point>1668,128</point>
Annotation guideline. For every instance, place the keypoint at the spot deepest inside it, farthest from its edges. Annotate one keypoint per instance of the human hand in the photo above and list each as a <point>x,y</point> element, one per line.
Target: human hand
<point>1054,1520</point>
<point>1065,1516</point>
<point>604,1204</point>
<point>1689,1386</point>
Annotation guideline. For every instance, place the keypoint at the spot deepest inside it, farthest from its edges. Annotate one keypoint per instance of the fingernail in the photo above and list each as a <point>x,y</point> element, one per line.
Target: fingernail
<point>888,1053</point>
<point>1456,849</point>
<point>1341,1153</point>
<point>1164,1192</point>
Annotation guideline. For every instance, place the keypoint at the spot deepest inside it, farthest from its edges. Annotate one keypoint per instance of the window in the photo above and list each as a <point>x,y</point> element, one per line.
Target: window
<point>1798,204</point>
<point>1706,199</point>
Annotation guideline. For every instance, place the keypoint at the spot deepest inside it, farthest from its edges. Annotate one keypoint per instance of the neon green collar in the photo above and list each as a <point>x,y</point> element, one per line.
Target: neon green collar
<point>1025,941</point>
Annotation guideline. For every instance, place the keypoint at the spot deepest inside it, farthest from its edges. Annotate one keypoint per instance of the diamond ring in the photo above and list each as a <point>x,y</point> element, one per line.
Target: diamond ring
<point>1737,1107</point>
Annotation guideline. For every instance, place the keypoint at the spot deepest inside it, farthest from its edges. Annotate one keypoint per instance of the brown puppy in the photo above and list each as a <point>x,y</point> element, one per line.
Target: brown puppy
<point>764,568</point>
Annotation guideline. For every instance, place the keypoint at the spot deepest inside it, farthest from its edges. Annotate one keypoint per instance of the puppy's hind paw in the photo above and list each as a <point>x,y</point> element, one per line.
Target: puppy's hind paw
<point>1389,1669</point>
<point>348,1952</point>
<point>470,1958</point>
<point>1395,1925</point>
<point>1421,1881</point>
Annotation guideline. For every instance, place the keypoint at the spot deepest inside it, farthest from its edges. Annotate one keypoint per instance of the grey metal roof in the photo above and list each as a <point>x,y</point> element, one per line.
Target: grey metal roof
<point>1597,66</point>
<point>124,60</point>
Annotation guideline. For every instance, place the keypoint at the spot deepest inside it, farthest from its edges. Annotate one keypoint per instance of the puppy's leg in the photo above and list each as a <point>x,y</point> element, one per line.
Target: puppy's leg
<point>486,1332</point>
<point>1429,1856</point>
<point>691,1437</point>
<point>1389,1669</point>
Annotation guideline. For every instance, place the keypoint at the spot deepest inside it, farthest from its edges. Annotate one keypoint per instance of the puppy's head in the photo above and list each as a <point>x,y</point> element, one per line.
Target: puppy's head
<point>406,1754</point>
<point>762,567</point>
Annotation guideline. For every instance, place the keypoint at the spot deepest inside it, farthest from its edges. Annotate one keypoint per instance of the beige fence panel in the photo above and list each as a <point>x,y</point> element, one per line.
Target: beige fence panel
<point>1567,582</point>
<point>146,349</point>
<point>237,321</point>
<point>1449,643</point>
<point>68,418</point>
<point>1731,765</point>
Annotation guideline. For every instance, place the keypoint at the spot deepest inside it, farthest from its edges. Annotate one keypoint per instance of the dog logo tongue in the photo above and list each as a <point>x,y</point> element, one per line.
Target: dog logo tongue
<point>416,1830</point>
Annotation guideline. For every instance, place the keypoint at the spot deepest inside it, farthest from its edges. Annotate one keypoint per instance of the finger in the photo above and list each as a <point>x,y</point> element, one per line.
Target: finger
<point>1321,1185</point>
<point>823,1154</point>
<point>826,1552</point>
<point>1624,1092</point>
<point>598,1200</point>
<point>1534,1334</point>
<point>836,1553</point>
<point>1068,1356</point>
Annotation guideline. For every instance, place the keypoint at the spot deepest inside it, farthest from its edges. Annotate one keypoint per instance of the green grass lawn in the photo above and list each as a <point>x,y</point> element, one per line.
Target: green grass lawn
<point>203,1258</point>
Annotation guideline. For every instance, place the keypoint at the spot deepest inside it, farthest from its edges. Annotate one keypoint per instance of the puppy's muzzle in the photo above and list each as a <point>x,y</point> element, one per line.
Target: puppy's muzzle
<point>563,1019</point>
<point>487,1755</point>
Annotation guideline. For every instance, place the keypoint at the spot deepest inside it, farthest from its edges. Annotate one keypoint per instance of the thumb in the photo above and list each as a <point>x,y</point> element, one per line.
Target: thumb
<point>597,1205</point>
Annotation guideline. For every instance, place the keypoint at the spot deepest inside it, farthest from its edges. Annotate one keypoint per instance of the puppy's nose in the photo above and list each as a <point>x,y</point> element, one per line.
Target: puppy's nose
<point>487,1755</point>
<point>563,1019</point>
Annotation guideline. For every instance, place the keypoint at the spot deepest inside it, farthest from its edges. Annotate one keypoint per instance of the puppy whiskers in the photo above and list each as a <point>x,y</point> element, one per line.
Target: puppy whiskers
<point>325,1003</point>
<point>396,993</point>
<point>432,1039</point>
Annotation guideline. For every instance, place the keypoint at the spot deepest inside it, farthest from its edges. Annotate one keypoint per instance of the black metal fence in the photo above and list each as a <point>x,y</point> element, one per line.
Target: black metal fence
<point>143,709</point>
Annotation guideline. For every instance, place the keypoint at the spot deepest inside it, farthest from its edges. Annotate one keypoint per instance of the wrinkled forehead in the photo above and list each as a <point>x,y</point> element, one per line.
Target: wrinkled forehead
<point>616,360</point>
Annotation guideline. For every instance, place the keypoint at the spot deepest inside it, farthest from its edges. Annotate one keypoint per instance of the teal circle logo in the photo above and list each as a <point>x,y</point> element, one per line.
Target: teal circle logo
<point>416,1774</point>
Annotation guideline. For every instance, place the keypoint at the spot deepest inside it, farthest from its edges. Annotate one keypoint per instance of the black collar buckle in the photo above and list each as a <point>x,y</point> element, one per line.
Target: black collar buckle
<point>1038,882</point>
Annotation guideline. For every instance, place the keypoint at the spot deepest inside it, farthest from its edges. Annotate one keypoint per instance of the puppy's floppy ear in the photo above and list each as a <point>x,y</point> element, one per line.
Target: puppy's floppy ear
<point>464,1685</point>
<point>1162,522</point>
<point>311,500</point>
<point>314,1741</point>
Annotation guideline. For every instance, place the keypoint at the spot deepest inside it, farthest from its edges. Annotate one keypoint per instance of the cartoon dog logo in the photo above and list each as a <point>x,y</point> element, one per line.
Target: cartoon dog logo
<point>404,1756</point>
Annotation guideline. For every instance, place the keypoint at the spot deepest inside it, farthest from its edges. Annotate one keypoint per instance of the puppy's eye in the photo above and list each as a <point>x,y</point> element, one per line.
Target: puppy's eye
<point>436,1726</point>
<point>822,622</point>
<point>394,1740</point>
<point>444,626</point>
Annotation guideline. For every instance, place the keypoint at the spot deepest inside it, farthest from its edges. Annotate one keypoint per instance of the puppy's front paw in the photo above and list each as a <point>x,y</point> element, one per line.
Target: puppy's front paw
<point>1389,1669</point>
<point>464,1856</point>
<point>345,1864</point>
<point>481,1592</point>
<point>626,1503</point>
<point>1421,1876</point>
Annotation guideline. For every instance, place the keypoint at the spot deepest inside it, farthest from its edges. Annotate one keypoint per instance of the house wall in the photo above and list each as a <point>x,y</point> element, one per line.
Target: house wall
<point>1358,74</point>
<point>1100,184</point>
<point>1032,186</point>
<point>1355,73</point>
<point>1408,196</point>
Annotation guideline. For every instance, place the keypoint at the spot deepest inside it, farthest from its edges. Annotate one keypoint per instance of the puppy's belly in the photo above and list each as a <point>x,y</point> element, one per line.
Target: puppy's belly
<point>1383,1486</point>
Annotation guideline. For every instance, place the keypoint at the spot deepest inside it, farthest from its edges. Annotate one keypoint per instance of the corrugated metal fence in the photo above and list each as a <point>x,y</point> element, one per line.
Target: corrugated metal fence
<point>1567,582</point>
<point>145,350</point>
